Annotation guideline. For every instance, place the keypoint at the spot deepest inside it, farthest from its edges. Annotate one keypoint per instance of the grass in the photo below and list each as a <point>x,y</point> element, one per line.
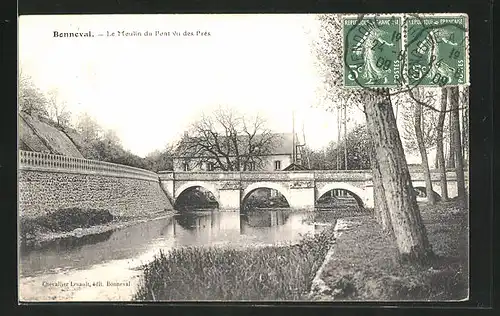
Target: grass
<point>365,265</point>
<point>64,220</point>
<point>267,273</point>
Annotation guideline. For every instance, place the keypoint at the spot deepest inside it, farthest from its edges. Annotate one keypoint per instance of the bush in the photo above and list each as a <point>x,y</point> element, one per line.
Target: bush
<point>63,220</point>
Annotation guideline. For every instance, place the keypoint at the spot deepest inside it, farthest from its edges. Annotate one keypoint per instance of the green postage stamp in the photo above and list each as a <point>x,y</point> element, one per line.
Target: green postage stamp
<point>391,51</point>
<point>372,45</point>
<point>437,52</point>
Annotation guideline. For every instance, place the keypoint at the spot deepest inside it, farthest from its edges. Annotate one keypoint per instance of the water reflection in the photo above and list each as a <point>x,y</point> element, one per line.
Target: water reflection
<point>202,228</point>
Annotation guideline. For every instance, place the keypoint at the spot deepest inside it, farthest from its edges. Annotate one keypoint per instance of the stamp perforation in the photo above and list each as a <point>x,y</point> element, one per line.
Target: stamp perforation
<point>447,78</point>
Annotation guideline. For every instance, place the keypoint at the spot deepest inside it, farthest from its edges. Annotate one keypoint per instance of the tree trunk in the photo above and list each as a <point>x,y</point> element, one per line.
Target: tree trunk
<point>451,140</point>
<point>409,231</point>
<point>417,120</point>
<point>440,147</point>
<point>379,200</point>
<point>459,168</point>
<point>465,125</point>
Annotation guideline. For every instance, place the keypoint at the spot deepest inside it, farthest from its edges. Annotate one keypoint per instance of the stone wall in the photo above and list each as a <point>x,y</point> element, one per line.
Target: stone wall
<point>49,183</point>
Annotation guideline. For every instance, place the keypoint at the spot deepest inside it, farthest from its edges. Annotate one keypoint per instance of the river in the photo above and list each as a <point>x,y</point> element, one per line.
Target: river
<point>107,266</point>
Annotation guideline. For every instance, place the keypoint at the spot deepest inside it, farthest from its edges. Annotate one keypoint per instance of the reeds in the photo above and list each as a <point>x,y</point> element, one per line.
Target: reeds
<point>265,273</point>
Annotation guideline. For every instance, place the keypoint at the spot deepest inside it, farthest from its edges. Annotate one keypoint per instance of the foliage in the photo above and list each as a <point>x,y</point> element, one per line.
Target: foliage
<point>63,220</point>
<point>31,100</point>
<point>90,138</point>
<point>228,139</point>
<point>358,157</point>
<point>159,160</point>
<point>267,273</point>
<point>104,145</point>
<point>330,64</point>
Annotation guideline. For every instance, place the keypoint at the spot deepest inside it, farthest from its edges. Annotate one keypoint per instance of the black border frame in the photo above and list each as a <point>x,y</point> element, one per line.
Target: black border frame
<point>481,151</point>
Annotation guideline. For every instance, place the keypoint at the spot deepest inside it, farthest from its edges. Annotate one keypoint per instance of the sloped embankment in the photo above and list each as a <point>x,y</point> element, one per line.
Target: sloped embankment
<point>37,135</point>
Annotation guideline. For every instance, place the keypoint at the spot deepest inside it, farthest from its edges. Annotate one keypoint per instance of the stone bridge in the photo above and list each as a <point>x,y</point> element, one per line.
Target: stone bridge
<point>300,188</point>
<point>51,182</point>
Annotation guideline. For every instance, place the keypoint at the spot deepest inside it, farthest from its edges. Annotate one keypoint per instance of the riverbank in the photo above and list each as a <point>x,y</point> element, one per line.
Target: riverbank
<point>75,222</point>
<point>217,273</point>
<point>364,265</point>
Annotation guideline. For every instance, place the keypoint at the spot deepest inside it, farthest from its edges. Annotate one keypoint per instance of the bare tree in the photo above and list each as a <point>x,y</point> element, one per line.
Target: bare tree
<point>58,109</point>
<point>428,122</point>
<point>464,103</point>
<point>450,163</point>
<point>422,148</point>
<point>229,140</point>
<point>399,199</point>
<point>459,161</point>
<point>440,147</point>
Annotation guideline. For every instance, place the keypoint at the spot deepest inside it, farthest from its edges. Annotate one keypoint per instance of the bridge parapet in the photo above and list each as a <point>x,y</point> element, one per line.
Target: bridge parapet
<point>436,176</point>
<point>166,175</point>
<point>37,161</point>
<point>343,175</point>
<point>200,175</point>
<point>276,176</point>
<point>302,175</point>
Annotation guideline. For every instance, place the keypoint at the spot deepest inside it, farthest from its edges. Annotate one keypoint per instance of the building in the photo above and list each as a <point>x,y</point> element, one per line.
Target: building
<point>280,158</point>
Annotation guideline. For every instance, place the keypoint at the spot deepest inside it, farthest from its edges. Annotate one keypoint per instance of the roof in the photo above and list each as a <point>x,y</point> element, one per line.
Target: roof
<point>283,147</point>
<point>294,166</point>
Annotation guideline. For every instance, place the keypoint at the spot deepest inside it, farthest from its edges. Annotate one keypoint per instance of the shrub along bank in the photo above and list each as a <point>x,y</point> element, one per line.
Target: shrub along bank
<point>267,273</point>
<point>64,220</point>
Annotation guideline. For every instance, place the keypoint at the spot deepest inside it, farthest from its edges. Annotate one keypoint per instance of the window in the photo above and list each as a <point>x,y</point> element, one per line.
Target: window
<point>251,166</point>
<point>277,165</point>
<point>210,166</point>
<point>186,166</point>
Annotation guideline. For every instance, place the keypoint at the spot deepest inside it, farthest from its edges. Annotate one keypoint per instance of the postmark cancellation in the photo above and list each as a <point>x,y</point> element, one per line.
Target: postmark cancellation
<point>405,50</point>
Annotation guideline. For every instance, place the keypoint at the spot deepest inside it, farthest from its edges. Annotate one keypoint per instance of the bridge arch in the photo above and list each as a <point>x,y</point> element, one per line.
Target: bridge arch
<point>269,185</point>
<point>207,186</point>
<point>357,193</point>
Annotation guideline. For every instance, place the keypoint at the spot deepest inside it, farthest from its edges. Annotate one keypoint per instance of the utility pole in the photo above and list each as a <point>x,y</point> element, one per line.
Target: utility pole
<point>307,152</point>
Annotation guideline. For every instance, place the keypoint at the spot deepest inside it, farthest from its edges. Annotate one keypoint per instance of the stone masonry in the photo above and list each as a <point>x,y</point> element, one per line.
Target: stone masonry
<point>122,190</point>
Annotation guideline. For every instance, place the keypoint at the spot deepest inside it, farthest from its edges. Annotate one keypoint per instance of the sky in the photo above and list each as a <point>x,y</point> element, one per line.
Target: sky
<point>150,88</point>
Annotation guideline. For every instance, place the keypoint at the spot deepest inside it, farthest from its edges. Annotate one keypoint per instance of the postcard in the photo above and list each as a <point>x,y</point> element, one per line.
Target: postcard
<point>243,157</point>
